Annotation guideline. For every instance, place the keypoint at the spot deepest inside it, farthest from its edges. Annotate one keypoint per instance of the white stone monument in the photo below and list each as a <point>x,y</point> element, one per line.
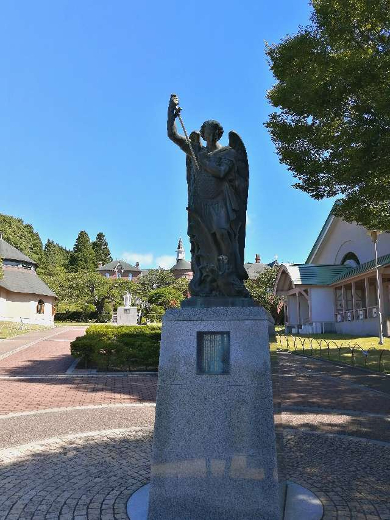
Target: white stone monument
<point>127,315</point>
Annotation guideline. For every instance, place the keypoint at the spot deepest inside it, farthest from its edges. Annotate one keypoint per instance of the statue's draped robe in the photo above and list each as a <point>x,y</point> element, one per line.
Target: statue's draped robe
<point>214,205</point>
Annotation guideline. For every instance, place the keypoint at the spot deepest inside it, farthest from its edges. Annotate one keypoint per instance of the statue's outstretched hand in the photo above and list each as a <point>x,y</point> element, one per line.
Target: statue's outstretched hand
<point>173,103</point>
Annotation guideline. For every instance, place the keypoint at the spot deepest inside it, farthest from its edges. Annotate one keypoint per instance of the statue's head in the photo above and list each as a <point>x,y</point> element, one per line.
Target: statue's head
<point>211,130</point>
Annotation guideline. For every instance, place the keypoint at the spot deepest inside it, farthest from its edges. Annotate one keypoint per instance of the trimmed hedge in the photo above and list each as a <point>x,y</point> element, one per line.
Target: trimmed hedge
<point>82,316</point>
<point>112,347</point>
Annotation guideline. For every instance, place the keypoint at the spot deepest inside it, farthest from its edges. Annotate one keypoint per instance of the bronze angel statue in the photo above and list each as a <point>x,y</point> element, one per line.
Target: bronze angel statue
<point>218,178</point>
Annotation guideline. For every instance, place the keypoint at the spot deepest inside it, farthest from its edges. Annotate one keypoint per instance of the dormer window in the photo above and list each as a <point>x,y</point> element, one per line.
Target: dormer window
<point>351,260</point>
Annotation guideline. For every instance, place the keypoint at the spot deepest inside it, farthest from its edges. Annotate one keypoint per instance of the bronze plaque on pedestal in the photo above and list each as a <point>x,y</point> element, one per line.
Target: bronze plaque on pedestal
<point>213,353</point>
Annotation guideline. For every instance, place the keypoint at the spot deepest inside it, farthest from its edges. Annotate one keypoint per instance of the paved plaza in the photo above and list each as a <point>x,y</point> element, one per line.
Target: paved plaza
<point>76,446</point>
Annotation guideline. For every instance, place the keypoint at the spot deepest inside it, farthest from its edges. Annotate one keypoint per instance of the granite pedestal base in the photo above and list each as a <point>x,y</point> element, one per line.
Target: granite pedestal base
<point>214,453</point>
<point>301,504</point>
<point>127,316</point>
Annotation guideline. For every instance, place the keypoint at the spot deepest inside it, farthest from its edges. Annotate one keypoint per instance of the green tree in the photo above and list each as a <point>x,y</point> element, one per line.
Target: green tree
<point>165,297</point>
<point>22,236</point>
<point>83,256</point>
<point>55,258</point>
<point>153,279</point>
<point>181,285</point>
<point>85,289</point>
<point>332,126</point>
<point>101,249</point>
<point>262,291</point>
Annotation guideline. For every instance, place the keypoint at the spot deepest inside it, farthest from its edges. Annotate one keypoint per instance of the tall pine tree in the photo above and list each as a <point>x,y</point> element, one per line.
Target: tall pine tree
<point>55,258</point>
<point>102,251</point>
<point>83,256</point>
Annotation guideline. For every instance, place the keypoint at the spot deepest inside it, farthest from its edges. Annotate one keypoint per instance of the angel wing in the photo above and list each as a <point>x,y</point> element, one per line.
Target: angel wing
<point>242,184</point>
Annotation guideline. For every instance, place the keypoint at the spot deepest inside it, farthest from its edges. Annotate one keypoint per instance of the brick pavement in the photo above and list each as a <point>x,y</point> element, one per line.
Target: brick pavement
<point>10,344</point>
<point>333,424</point>
<point>35,378</point>
<point>50,355</point>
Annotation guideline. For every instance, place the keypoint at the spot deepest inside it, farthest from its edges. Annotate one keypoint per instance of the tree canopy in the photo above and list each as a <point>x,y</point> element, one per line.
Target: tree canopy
<point>332,126</point>
<point>55,257</point>
<point>101,249</point>
<point>83,256</point>
<point>153,279</point>
<point>262,291</point>
<point>22,236</point>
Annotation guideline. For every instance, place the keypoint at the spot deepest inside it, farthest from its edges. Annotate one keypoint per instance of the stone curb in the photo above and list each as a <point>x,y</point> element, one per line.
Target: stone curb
<point>291,431</point>
<point>72,408</point>
<point>335,411</point>
<point>40,446</point>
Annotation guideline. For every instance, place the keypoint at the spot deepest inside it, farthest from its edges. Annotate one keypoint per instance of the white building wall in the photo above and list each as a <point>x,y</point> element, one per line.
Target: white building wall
<point>343,238</point>
<point>322,304</point>
<point>292,309</point>
<point>20,306</point>
<point>2,301</point>
<point>368,327</point>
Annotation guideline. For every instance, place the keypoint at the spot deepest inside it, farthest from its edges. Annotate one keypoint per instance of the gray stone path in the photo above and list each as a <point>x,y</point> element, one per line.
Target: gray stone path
<point>84,462</point>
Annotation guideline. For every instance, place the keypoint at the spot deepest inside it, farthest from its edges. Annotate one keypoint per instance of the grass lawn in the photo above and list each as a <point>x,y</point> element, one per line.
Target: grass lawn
<point>353,350</point>
<point>9,329</point>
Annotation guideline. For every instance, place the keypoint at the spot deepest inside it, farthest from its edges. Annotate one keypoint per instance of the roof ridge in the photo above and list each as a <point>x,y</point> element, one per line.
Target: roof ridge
<point>13,253</point>
<point>364,267</point>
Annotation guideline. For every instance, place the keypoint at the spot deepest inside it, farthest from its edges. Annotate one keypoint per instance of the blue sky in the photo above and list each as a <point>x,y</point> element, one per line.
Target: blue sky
<point>83,100</point>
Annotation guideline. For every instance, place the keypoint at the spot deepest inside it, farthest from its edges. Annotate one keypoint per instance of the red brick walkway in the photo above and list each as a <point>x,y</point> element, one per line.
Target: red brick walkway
<point>35,379</point>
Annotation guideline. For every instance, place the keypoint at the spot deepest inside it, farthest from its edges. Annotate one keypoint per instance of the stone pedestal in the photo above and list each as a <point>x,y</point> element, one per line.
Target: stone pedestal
<point>214,453</point>
<point>127,316</point>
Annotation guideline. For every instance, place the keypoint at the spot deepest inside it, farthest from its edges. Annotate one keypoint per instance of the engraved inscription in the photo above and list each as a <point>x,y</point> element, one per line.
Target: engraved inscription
<point>213,353</point>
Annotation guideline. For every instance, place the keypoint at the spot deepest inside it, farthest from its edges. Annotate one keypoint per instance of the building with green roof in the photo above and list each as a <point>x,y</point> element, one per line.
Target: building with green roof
<point>336,290</point>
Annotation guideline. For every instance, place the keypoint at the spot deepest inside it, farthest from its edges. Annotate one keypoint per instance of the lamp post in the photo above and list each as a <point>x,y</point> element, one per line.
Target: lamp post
<point>374,238</point>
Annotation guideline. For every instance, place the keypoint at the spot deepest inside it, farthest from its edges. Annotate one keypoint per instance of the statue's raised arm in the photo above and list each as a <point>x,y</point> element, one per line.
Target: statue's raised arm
<point>173,134</point>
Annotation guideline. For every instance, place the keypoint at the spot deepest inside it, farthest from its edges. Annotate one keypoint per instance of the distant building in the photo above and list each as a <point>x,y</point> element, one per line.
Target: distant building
<point>182,268</point>
<point>120,269</point>
<point>23,295</point>
<point>257,268</point>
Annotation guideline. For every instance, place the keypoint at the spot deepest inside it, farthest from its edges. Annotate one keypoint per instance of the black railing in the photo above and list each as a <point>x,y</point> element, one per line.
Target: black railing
<point>349,353</point>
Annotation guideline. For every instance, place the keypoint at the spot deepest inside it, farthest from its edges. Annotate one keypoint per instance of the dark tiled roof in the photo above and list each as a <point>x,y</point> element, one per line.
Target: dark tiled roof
<point>255,269</point>
<point>181,265</point>
<point>112,265</point>
<point>363,268</point>
<point>24,281</point>
<point>8,252</point>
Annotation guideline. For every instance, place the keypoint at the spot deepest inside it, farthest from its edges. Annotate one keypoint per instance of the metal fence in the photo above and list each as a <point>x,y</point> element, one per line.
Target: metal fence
<point>350,353</point>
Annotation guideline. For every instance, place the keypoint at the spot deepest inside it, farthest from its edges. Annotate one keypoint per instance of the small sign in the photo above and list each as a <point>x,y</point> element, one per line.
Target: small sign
<point>213,353</point>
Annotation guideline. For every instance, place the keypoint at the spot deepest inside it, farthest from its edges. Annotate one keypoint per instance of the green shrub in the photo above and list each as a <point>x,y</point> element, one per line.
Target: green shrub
<point>119,347</point>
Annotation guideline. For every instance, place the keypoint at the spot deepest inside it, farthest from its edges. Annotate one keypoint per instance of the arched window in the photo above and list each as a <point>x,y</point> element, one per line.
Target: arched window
<point>41,307</point>
<point>351,260</point>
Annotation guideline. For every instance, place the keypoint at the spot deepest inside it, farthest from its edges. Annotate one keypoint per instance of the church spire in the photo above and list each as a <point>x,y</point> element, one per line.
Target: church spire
<point>180,253</point>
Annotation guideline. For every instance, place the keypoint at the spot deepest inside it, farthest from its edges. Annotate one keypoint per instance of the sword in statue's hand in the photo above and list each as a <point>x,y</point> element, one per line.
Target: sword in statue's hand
<point>178,110</point>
